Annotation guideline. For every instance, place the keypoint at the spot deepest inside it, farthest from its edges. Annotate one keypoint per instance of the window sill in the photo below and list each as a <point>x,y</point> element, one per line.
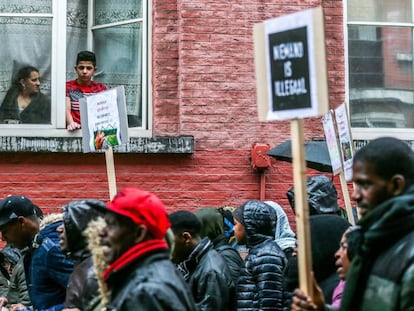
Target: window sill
<point>173,144</point>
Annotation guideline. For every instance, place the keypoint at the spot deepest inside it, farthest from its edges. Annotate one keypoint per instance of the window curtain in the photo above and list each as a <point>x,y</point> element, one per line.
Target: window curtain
<point>119,51</point>
<point>27,40</point>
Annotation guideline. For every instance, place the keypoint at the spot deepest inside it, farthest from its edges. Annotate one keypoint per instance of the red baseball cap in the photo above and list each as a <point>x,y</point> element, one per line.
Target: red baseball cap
<point>143,208</point>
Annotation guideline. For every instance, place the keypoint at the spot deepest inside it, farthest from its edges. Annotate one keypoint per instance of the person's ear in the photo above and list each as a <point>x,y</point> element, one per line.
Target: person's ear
<point>397,184</point>
<point>21,220</point>
<point>187,237</point>
<point>141,233</point>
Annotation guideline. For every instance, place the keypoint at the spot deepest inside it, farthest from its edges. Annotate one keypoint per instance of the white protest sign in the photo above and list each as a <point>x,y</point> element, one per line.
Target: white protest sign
<point>104,121</point>
<point>290,64</point>
<point>345,140</point>
<point>332,143</point>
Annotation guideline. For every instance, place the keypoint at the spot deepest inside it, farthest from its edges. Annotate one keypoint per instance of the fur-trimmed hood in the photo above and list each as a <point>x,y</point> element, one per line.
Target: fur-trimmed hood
<point>48,228</point>
<point>92,234</point>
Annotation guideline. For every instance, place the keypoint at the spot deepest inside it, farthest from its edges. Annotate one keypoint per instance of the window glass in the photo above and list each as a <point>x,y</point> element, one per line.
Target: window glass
<point>31,6</point>
<point>26,41</point>
<point>381,76</point>
<point>111,11</point>
<point>119,56</point>
<point>30,34</point>
<point>379,11</point>
<point>118,44</point>
<point>76,34</point>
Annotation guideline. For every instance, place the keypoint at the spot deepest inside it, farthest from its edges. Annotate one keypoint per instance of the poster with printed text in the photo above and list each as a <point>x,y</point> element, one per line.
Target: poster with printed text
<point>291,77</point>
<point>104,121</point>
<point>345,139</point>
<point>332,142</point>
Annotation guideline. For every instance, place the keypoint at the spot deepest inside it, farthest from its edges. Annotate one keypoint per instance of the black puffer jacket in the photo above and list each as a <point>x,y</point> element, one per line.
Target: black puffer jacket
<point>149,283</point>
<point>260,286</point>
<point>83,283</point>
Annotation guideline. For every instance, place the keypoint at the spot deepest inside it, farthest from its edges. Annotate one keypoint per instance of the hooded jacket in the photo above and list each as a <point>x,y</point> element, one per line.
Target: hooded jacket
<point>47,269</point>
<point>213,228</point>
<point>322,196</point>
<point>284,236</point>
<point>260,285</point>
<point>83,283</point>
<point>381,276</point>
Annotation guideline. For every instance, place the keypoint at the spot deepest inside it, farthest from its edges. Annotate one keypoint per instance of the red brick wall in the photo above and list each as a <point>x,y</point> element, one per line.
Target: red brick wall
<point>203,85</point>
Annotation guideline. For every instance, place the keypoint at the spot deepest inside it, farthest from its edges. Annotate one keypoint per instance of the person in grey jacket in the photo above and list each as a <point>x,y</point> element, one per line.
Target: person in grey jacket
<point>260,285</point>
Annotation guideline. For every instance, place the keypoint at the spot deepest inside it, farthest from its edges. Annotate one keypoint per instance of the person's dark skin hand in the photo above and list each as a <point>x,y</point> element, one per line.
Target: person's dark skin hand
<point>301,301</point>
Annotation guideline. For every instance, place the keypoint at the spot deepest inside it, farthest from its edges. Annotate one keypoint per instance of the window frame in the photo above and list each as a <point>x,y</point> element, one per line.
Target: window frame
<point>57,128</point>
<point>362,133</point>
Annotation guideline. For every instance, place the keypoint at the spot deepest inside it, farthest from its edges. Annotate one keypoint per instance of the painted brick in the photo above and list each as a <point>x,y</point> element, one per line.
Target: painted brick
<point>203,85</point>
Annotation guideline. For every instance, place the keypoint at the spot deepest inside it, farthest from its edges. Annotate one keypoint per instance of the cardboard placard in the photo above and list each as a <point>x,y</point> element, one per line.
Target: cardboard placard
<point>332,143</point>
<point>104,120</point>
<point>290,66</point>
<point>345,139</point>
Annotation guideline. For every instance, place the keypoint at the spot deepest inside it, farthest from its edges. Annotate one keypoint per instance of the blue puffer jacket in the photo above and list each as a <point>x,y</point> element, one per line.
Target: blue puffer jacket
<point>260,285</point>
<point>47,270</point>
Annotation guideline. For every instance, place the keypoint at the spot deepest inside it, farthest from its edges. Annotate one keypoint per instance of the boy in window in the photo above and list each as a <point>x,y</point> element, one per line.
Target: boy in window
<point>80,87</point>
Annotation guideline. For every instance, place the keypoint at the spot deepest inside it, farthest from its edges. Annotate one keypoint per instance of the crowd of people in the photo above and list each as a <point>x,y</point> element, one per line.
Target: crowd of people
<point>130,254</point>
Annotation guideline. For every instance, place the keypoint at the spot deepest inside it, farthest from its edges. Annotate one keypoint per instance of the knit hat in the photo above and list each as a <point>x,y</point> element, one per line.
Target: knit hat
<point>143,208</point>
<point>238,214</point>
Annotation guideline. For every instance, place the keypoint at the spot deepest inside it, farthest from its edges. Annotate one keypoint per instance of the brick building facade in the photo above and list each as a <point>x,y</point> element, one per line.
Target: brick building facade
<point>203,86</point>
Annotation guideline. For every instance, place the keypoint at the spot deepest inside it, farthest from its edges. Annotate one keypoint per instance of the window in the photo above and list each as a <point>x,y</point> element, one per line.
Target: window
<point>48,34</point>
<point>380,67</point>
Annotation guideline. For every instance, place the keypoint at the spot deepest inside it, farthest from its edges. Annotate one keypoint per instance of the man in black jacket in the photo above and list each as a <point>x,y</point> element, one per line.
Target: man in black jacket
<point>381,275</point>
<point>203,267</point>
<point>213,228</point>
<point>140,274</point>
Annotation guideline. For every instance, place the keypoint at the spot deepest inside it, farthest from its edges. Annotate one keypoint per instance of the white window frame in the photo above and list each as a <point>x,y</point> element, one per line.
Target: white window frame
<point>57,128</point>
<point>371,133</point>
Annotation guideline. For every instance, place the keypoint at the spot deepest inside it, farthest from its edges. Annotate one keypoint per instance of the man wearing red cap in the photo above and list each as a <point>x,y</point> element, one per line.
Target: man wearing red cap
<point>140,274</point>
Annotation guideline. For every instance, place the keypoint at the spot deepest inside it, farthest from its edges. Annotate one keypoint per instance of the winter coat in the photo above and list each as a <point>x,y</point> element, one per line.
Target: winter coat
<point>381,276</point>
<point>47,270</point>
<point>231,256</point>
<point>284,236</point>
<point>213,228</point>
<point>38,111</point>
<point>82,286</point>
<point>149,283</point>
<point>322,196</point>
<point>209,278</point>
<point>260,285</point>
<point>18,292</point>
<point>326,233</point>
<point>83,283</point>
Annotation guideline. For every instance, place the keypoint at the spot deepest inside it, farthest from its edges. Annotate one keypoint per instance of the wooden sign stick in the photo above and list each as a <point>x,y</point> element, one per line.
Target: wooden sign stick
<point>347,200</point>
<point>301,208</point>
<point>110,170</point>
